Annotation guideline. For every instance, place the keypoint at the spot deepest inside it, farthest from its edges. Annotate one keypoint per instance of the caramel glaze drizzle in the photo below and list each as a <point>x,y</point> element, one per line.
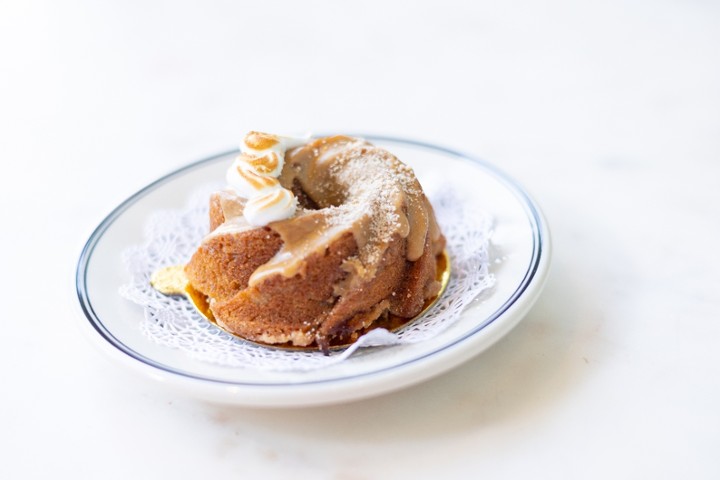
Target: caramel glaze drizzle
<point>356,186</point>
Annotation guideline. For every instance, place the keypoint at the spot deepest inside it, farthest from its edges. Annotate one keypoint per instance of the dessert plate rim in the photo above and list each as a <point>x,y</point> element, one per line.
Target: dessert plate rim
<point>304,391</point>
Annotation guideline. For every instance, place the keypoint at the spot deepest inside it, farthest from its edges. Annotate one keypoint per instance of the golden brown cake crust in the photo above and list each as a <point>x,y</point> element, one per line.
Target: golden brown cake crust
<point>280,309</point>
<point>333,292</point>
<point>222,265</point>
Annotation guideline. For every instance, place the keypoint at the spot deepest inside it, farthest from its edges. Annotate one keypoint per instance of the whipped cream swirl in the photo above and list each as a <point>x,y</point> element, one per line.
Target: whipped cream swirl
<point>254,175</point>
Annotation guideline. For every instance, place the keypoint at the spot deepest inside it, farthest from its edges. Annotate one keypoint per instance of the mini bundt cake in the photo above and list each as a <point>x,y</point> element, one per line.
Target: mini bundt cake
<point>314,241</point>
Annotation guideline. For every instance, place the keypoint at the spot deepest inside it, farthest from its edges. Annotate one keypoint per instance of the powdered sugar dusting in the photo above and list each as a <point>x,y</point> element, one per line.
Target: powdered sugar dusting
<point>377,188</point>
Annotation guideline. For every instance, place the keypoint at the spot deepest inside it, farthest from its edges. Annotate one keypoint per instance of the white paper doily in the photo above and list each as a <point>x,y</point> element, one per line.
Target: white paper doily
<point>173,235</point>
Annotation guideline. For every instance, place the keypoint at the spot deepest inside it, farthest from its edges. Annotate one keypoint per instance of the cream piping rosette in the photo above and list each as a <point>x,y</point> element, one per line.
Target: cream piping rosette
<point>254,176</point>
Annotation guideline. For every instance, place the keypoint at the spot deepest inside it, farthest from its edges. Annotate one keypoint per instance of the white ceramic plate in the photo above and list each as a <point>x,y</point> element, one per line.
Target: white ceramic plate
<point>520,237</point>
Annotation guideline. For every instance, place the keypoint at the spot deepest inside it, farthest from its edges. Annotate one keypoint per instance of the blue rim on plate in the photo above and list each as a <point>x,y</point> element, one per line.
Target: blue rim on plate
<point>534,218</point>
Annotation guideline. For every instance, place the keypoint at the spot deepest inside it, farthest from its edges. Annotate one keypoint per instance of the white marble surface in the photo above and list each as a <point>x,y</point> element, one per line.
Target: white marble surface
<point>608,113</point>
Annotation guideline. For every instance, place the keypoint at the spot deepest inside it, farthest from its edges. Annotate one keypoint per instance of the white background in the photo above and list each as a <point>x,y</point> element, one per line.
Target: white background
<point>608,113</point>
